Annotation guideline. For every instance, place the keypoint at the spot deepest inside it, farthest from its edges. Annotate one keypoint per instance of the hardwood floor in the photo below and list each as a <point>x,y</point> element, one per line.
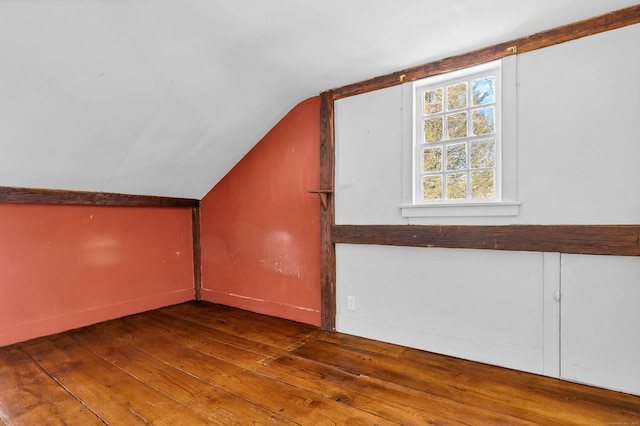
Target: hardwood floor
<point>200,363</point>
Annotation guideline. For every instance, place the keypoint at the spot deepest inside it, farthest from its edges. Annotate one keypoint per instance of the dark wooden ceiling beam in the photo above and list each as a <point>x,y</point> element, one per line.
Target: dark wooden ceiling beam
<point>51,196</point>
<point>610,21</point>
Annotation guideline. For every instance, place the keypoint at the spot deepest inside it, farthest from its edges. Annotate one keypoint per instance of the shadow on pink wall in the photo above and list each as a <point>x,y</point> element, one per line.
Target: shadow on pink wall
<point>260,231</point>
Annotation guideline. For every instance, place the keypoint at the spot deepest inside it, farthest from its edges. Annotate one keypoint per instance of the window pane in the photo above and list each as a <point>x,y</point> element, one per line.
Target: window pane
<point>483,91</point>
<point>483,121</point>
<point>432,159</point>
<point>483,184</point>
<point>457,156</point>
<point>433,129</point>
<point>433,101</point>
<point>457,96</point>
<point>457,186</point>
<point>483,154</point>
<point>432,187</point>
<point>457,125</point>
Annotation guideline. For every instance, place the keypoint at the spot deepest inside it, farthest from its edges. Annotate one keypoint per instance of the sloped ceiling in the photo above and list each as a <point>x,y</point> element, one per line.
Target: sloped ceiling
<point>164,97</point>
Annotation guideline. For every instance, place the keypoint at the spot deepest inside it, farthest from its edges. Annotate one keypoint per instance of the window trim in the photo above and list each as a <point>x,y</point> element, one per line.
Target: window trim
<point>508,204</point>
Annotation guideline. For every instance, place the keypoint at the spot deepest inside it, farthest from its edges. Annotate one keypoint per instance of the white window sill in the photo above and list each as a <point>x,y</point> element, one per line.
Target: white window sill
<point>504,208</point>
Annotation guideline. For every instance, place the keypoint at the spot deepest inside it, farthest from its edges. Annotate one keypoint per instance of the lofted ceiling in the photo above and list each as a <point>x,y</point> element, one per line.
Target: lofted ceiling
<point>164,97</point>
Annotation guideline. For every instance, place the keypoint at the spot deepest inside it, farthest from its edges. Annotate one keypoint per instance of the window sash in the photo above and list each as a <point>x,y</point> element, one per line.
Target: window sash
<point>444,81</point>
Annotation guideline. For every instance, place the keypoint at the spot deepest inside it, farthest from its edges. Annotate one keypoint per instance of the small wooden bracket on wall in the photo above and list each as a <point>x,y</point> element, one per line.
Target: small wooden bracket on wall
<point>324,196</point>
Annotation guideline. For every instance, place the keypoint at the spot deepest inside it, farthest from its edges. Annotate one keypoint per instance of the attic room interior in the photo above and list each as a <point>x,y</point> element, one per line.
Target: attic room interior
<point>296,212</point>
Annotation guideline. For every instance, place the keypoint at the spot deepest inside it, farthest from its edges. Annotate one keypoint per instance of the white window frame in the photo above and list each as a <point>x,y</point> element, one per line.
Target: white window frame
<point>505,203</point>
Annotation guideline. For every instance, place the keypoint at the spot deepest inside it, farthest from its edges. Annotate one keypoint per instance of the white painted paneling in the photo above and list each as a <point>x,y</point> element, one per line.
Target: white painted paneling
<point>551,305</point>
<point>578,109</point>
<point>601,321</point>
<point>368,154</point>
<point>477,304</point>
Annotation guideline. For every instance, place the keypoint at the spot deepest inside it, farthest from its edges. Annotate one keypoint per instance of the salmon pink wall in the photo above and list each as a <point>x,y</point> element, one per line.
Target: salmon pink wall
<point>260,231</point>
<point>63,267</point>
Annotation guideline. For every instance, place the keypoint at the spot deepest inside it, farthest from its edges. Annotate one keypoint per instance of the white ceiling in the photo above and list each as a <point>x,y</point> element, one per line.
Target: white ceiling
<point>163,97</point>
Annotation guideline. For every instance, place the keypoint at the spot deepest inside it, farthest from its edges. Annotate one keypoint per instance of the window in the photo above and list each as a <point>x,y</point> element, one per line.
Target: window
<point>457,139</point>
<point>457,155</point>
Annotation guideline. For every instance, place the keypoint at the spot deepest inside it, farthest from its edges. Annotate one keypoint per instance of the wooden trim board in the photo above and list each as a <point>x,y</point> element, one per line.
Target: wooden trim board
<point>617,240</point>
<point>52,196</point>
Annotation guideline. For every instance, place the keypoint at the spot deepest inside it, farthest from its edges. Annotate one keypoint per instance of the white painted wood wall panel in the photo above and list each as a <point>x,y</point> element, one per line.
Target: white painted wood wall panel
<point>369,157</point>
<point>551,306</point>
<point>578,150</point>
<point>482,305</point>
<point>601,321</point>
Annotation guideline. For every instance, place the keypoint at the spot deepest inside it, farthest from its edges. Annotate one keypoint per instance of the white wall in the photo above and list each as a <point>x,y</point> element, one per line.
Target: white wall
<point>444,307</point>
<point>601,320</point>
<point>578,162</point>
<point>578,153</point>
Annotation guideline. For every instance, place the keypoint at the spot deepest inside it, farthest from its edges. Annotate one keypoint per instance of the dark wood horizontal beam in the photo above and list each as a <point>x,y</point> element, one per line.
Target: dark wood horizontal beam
<point>610,21</point>
<point>50,196</point>
<point>618,240</point>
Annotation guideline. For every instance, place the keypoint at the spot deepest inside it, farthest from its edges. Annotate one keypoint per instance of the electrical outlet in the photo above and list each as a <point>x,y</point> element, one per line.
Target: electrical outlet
<point>351,303</point>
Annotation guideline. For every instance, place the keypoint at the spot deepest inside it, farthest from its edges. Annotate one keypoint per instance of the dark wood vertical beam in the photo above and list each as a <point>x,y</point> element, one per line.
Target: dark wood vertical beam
<point>197,253</point>
<point>327,213</point>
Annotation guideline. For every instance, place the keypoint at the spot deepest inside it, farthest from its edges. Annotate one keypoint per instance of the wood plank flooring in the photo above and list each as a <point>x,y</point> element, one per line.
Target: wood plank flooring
<point>199,363</point>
